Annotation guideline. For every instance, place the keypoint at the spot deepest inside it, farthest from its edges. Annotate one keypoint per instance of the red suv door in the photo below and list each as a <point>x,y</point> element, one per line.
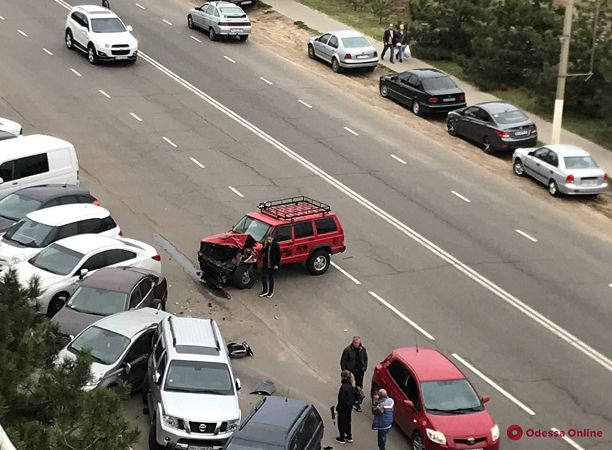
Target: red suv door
<point>284,237</point>
<point>303,240</point>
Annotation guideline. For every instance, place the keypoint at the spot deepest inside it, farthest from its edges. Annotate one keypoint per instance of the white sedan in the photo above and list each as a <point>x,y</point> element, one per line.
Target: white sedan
<point>8,126</point>
<point>65,261</point>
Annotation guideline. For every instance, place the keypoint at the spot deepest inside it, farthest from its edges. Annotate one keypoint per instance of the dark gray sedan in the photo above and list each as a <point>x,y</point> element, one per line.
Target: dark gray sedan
<point>494,126</point>
<point>109,291</point>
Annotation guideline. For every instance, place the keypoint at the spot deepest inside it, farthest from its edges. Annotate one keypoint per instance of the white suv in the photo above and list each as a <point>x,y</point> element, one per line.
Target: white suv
<point>99,32</point>
<point>190,389</point>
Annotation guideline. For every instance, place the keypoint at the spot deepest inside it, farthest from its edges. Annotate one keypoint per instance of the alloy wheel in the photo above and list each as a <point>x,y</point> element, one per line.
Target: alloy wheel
<point>417,442</point>
<point>552,188</point>
<point>416,107</point>
<point>319,263</point>
<point>519,169</point>
<point>450,126</point>
<point>384,90</point>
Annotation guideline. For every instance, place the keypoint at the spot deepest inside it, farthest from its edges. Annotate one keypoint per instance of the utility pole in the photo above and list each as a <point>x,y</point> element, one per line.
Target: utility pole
<point>562,76</point>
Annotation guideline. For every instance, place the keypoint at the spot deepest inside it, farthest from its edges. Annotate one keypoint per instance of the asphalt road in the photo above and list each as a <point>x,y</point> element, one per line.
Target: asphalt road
<point>168,160</point>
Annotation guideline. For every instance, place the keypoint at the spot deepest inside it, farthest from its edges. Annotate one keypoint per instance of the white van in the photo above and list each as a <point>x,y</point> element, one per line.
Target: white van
<point>34,160</point>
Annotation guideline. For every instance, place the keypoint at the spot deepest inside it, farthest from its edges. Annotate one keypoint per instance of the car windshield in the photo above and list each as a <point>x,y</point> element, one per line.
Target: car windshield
<point>511,116</point>
<point>30,233</point>
<point>104,346</point>
<point>243,444</point>
<point>100,302</point>
<point>438,84</point>
<point>200,377</point>
<point>16,206</point>
<point>57,259</point>
<point>450,396</point>
<point>355,42</point>
<point>110,25</point>
<point>256,228</point>
<point>232,11</point>
<point>580,162</point>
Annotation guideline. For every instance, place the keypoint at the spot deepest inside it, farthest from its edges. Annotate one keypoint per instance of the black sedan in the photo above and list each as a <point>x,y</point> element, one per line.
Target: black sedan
<point>423,90</point>
<point>108,291</point>
<point>493,125</point>
<point>15,206</point>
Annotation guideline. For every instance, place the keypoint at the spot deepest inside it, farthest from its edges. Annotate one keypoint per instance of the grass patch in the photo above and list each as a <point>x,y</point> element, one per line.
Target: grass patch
<point>303,26</point>
<point>262,5</point>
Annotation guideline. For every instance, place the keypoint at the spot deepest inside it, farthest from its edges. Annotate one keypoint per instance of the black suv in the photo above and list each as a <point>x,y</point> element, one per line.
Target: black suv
<point>279,423</point>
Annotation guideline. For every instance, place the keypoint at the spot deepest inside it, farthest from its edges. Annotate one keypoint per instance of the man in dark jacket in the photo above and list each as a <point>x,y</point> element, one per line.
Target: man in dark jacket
<point>355,360</point>
<point>389,41</point>
<point>403,40</point>
<point>346,399</point>
<point>271,262</point>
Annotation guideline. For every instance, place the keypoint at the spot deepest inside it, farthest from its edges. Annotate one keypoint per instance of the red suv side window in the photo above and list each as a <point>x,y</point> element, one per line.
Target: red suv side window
<point>303,229</point>
<point>326,225</point>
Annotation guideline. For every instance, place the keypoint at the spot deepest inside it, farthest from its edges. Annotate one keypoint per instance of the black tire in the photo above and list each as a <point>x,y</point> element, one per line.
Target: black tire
<point>553,189</point>
<point>243,277</point>
<point>153,445</point>
<point>212,35</point>
<point>417,441</point>
<point>190,24</point>
<point>57,302</point>
<point>244,37</point>
<point>416,107</point>
<point>450,127</point>
<point>518,168</point>
<point>133,61</point>
<point>486,146</point>
<point>92,56</point>
<point>68,40</point>
<point>311,52</point>
<point>318,262</point>
<point>384,90</point>
<point>335,65</point>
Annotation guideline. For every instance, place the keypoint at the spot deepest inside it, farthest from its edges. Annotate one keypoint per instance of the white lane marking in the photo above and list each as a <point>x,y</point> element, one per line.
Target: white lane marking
<point>610,285</point>
<point>345,273</point>
<point>165,21</point>
<point>401,315</point>
<point>140,6</point>
<point>47,52</point>
<point>494,385</point>
<point>75,72</point>
<point>398,159</point>
<point>22,33</point>
<point>235,191</point>
<point>288,60</point>
<point>568,440</point>
<point>1,18</point>
<point>351,131</point>
<point>195,39</point>
<point>264,80</point>
<point>521,306</point>
<point>169,142</point>
<point>465,199</point>
<point>195,161</point>
<point>104,93</point>
<point>522,233</point>
<point>231,60</point>
<point>305,104</point>
<point>135,117</point>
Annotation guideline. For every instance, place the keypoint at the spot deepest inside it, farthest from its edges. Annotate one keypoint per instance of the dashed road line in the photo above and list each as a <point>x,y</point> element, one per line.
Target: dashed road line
<point>610,285</point>
<point>351,131</point>
<point>288,60</point>
<point>465,199</point>
<point>1,18</point>
<point>264,80</point>
<point>195,39</point>
<point>402,315</point>
<point>169,142</point>
<point>75,72</point>
<point>47,52</point>
<point>135,117</point>
<point>494,385</point>
<point>22,33</point>
<point>525,235</point>
<point>345,273</point>
<point>305,104</point>
<point>165,21</point>
<point>229,59</point>
<point>397,158</point>
<point>104,93</point>
<point>235,191</point>
<point>198,163</point>
<point>568,440</point>
<point>140,6</point>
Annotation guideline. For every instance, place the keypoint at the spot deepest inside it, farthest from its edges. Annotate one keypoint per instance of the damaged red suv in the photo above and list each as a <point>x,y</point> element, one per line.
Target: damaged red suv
<point>306,230</point>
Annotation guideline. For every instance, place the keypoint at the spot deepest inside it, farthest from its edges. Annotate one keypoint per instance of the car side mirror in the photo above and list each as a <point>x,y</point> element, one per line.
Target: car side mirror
<point>156,377</point>
<point>156,303</point>
<point>129,28</point>
<point>83,273</point>
<point>71,337</point>
<point>409,404</point>
<point>127,369</point>
<point>238,385</point>
<point>485,398</point>
<point>531,153</point>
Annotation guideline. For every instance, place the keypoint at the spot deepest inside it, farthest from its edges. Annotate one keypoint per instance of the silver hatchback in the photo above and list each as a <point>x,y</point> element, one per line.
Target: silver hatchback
<point>563,168</point>
<point>344,50</point>
<point>220,19</point>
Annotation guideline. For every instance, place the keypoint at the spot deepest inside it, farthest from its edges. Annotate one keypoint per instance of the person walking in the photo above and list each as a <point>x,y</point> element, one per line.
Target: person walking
<point>355,359</point>
<point>389,43</point>
<point>271,262</point>
<point>403,42</point>
<point>346,400</point>
<point>383,416</point>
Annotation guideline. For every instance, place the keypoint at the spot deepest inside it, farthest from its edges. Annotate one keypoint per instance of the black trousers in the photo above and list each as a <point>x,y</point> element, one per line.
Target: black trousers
<point>358,374</point>
<point>344,424</point>
<point>267,280</point>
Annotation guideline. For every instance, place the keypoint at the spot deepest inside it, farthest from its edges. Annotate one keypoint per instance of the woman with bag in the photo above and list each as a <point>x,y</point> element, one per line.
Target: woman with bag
<point>346,399</point>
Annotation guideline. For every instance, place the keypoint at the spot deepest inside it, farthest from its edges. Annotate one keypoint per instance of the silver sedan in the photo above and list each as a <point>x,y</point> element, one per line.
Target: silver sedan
<point>564,169</point>
<point>344,50</point>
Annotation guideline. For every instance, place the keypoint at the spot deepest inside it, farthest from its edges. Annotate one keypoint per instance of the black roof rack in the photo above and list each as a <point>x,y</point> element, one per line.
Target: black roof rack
<point>292,207</point>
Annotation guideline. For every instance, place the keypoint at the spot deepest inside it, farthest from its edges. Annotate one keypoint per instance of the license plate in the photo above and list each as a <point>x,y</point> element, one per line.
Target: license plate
<point>521,133</point>
<point>198,447</point>
<point>235,31</point>
<point>362,56</point>
<point>589,182</point>
<point>121,57</point>
<point>452,99</point>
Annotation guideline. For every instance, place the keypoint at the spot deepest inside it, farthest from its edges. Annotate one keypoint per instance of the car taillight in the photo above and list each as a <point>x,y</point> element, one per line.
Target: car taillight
<point>96,202</point>
<point>223,24</point>
<point>348,56</point>
<point>462,97</point>
<point>605,177</point>
<point>570,179</point>
<point>534,129</point>
<point>375,55</point>
<point>120,232</point>
<point>502,133</point>
<point>156,258</point>
<point>433,100</point>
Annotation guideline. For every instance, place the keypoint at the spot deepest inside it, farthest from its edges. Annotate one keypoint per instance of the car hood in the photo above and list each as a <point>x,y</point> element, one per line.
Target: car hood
<point>71,322</point>
<point>230,239</point>
<point>463,425</point>
<point>5,224</point>
<point>25,271</point>
<point>97,370</point>
<point>116,38</point>
<point>188,406</point>
<point>8,251</point>
<point>450,91</point>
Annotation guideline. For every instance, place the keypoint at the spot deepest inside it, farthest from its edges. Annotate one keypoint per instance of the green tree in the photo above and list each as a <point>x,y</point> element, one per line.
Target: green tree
<point>381,9</point>
<point>42,404</point>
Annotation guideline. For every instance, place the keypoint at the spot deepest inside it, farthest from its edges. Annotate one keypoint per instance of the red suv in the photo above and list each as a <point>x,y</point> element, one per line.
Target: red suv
<point>306,230</point>
<point>435,404</point>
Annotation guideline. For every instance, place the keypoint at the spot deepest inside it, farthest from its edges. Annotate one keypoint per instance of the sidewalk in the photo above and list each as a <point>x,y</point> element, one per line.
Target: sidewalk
<point>319,21</point>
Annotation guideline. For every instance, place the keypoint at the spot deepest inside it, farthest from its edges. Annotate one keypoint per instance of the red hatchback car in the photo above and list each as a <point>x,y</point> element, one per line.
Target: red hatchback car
<point>435,404</point>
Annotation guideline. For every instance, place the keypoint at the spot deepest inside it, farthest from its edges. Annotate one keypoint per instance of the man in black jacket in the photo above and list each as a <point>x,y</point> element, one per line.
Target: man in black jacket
<point>346,400</point>
<point>355,360</point>
<point>389,41</point>
<point>271,262</point>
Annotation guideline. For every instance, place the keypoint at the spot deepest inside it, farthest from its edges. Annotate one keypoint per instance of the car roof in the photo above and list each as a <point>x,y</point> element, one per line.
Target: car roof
<point>96,10</point>
<point>497,107</point>
<point>265,218</point>
<point>347,33</point>
<point>75,212</point>
<point>86,243</point>
<point>120,279</point>
<point>6,135</point>
<point>25,145</point>
<point>48,192</point>
<point>195,339</point>
<point>428,364</point>
<point>272,420</point>
<point>567,150</point>
<point>428,73</point>
<point>130,323</point>
<point>224,4</point>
